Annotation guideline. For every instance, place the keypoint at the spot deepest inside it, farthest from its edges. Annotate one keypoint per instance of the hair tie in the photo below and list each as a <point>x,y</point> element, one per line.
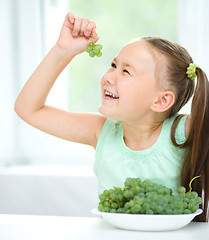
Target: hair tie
<point>191,71</point>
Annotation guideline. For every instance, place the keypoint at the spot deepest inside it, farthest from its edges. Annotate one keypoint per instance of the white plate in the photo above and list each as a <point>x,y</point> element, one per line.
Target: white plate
<point>146,222</point>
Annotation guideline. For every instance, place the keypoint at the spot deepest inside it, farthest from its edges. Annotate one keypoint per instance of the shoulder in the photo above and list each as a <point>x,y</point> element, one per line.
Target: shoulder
<point>99,124</point>
<point>108,131</point>
<point>106,125</point>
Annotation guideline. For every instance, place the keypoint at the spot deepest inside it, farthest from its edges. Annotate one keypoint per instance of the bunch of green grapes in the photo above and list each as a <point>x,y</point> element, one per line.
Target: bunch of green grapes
<point>94,49</point>
<point>147,197</point>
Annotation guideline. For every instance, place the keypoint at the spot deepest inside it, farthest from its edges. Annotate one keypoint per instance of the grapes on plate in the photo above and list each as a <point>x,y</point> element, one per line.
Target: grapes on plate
<point>147,197</point>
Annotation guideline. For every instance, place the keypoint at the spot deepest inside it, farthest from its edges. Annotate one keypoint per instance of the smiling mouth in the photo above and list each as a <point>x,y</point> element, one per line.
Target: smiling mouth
<point>110,95</point>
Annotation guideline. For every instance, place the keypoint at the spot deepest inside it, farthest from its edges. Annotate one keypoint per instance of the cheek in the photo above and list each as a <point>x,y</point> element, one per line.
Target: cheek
<point>102,83</point>
<point>137,96</point>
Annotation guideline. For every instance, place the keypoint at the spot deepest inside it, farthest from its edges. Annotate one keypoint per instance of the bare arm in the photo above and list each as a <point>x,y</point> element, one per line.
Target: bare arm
<point>30,104</point>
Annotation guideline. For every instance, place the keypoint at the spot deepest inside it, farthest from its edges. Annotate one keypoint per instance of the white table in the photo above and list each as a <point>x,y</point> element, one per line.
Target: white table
<point>31,227</point>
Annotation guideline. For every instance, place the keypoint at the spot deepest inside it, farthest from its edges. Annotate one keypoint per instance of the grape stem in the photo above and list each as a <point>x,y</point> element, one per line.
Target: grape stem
<point>190,184</point>
<point>113,200</point>
<point>121,187</point>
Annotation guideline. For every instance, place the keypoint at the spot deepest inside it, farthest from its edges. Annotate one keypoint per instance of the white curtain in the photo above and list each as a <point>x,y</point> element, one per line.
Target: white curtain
<point>17,62</point>
<point>193,30</point>
<point>24,46</point>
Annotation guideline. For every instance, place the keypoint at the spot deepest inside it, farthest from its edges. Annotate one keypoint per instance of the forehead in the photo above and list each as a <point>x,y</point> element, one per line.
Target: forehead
<point>138,54</point>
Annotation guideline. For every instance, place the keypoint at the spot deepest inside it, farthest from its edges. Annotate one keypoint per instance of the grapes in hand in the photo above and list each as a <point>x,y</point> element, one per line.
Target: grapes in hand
<point>94,49</point>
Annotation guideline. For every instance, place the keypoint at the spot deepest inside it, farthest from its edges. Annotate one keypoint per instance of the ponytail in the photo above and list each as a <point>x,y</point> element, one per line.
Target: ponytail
<point>196,161</point>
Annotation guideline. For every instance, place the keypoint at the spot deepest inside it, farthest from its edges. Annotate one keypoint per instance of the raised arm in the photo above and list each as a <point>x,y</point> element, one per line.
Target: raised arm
<point>30,104</point>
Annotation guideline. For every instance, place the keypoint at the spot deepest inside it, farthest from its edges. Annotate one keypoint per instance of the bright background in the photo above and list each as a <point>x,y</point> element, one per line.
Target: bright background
<point>30,28</point>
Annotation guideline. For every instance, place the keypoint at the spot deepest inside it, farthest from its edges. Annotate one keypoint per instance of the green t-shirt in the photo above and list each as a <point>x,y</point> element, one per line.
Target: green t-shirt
<point>161,163</point>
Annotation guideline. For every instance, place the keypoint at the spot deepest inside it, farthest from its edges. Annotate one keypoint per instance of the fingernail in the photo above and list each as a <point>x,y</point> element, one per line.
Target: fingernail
<point>87,33</point>
<point>72,20</point>
<point>75,34</point>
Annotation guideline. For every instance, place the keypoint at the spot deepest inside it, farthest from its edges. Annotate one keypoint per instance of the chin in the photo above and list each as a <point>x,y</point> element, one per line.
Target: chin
<point>108,114</point>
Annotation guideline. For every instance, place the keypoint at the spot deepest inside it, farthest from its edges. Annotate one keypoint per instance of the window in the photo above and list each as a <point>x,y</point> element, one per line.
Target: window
<point>37,26</point>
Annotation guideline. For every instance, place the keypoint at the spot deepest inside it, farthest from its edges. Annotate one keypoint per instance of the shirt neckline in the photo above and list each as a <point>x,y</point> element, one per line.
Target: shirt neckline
<point>153,149</point>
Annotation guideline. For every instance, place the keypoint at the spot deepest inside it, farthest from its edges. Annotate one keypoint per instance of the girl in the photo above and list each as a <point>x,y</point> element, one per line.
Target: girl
<point>139,132</point>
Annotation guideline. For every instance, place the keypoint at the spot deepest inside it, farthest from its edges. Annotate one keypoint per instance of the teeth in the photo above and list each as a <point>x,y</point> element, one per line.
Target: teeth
<point>110,94</point>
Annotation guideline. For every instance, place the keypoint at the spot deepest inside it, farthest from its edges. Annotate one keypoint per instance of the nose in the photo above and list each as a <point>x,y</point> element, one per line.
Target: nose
<point>110,78</point>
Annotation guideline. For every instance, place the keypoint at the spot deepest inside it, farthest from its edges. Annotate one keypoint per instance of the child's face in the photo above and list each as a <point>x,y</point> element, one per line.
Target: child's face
<point>129,87</point>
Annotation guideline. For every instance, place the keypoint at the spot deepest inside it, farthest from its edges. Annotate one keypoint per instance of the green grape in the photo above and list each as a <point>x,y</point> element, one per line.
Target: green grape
<point>128,194</point>
<point>198,200</point>
<point>91,44</point>
<point>99,54</point>
<point>186,199</point>
<point>192,207</point>
<point>120,197</point>
<point>88,49</point>
<point>136,208</point>
<point>146,206</point>
<point>187,211</point>
<point>94,49</point>
<point>120,210</point>
<point>193,195</point>
<point>114,205</point>
<point>91,53</point>
<point>102,197</point>
<point>127,206</point>
<point>147,197</point>
<point>177,211</point>
<point>132,203</point>
<point>112,210</point>
<point>181,190</point>
<point>128,182</point>
<point>153,205</point>
<point>113,195</point>
<point>106,209</point>
<point>138,200</point>
<point>149,211</point>
<point>178,204</point>
<point>106,204</point>
<point>159,209</point>
<point>168,210</point>
<point>185,205</point>
<point>99,46</point>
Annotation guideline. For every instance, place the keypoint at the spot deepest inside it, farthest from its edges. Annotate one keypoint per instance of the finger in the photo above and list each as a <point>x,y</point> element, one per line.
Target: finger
<point>85,22</point>
<point>71,17</point>
<point>77,26</point>
<point>88,29</point>
<point>68,20</point>
<point>95,35</point>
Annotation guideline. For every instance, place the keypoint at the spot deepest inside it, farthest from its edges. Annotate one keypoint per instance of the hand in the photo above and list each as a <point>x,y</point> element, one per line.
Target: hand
<point>76,34</point>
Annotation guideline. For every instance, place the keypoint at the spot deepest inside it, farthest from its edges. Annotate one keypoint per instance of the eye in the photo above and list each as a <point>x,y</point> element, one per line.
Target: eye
<point>126,71</point>
<point>113,65</point>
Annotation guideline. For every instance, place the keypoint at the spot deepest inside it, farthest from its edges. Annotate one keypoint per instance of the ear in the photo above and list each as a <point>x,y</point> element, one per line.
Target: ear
<point>163,102</point>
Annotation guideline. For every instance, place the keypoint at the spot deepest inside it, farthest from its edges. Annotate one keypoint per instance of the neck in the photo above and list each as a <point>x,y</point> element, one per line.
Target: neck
<point>141,135</point>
